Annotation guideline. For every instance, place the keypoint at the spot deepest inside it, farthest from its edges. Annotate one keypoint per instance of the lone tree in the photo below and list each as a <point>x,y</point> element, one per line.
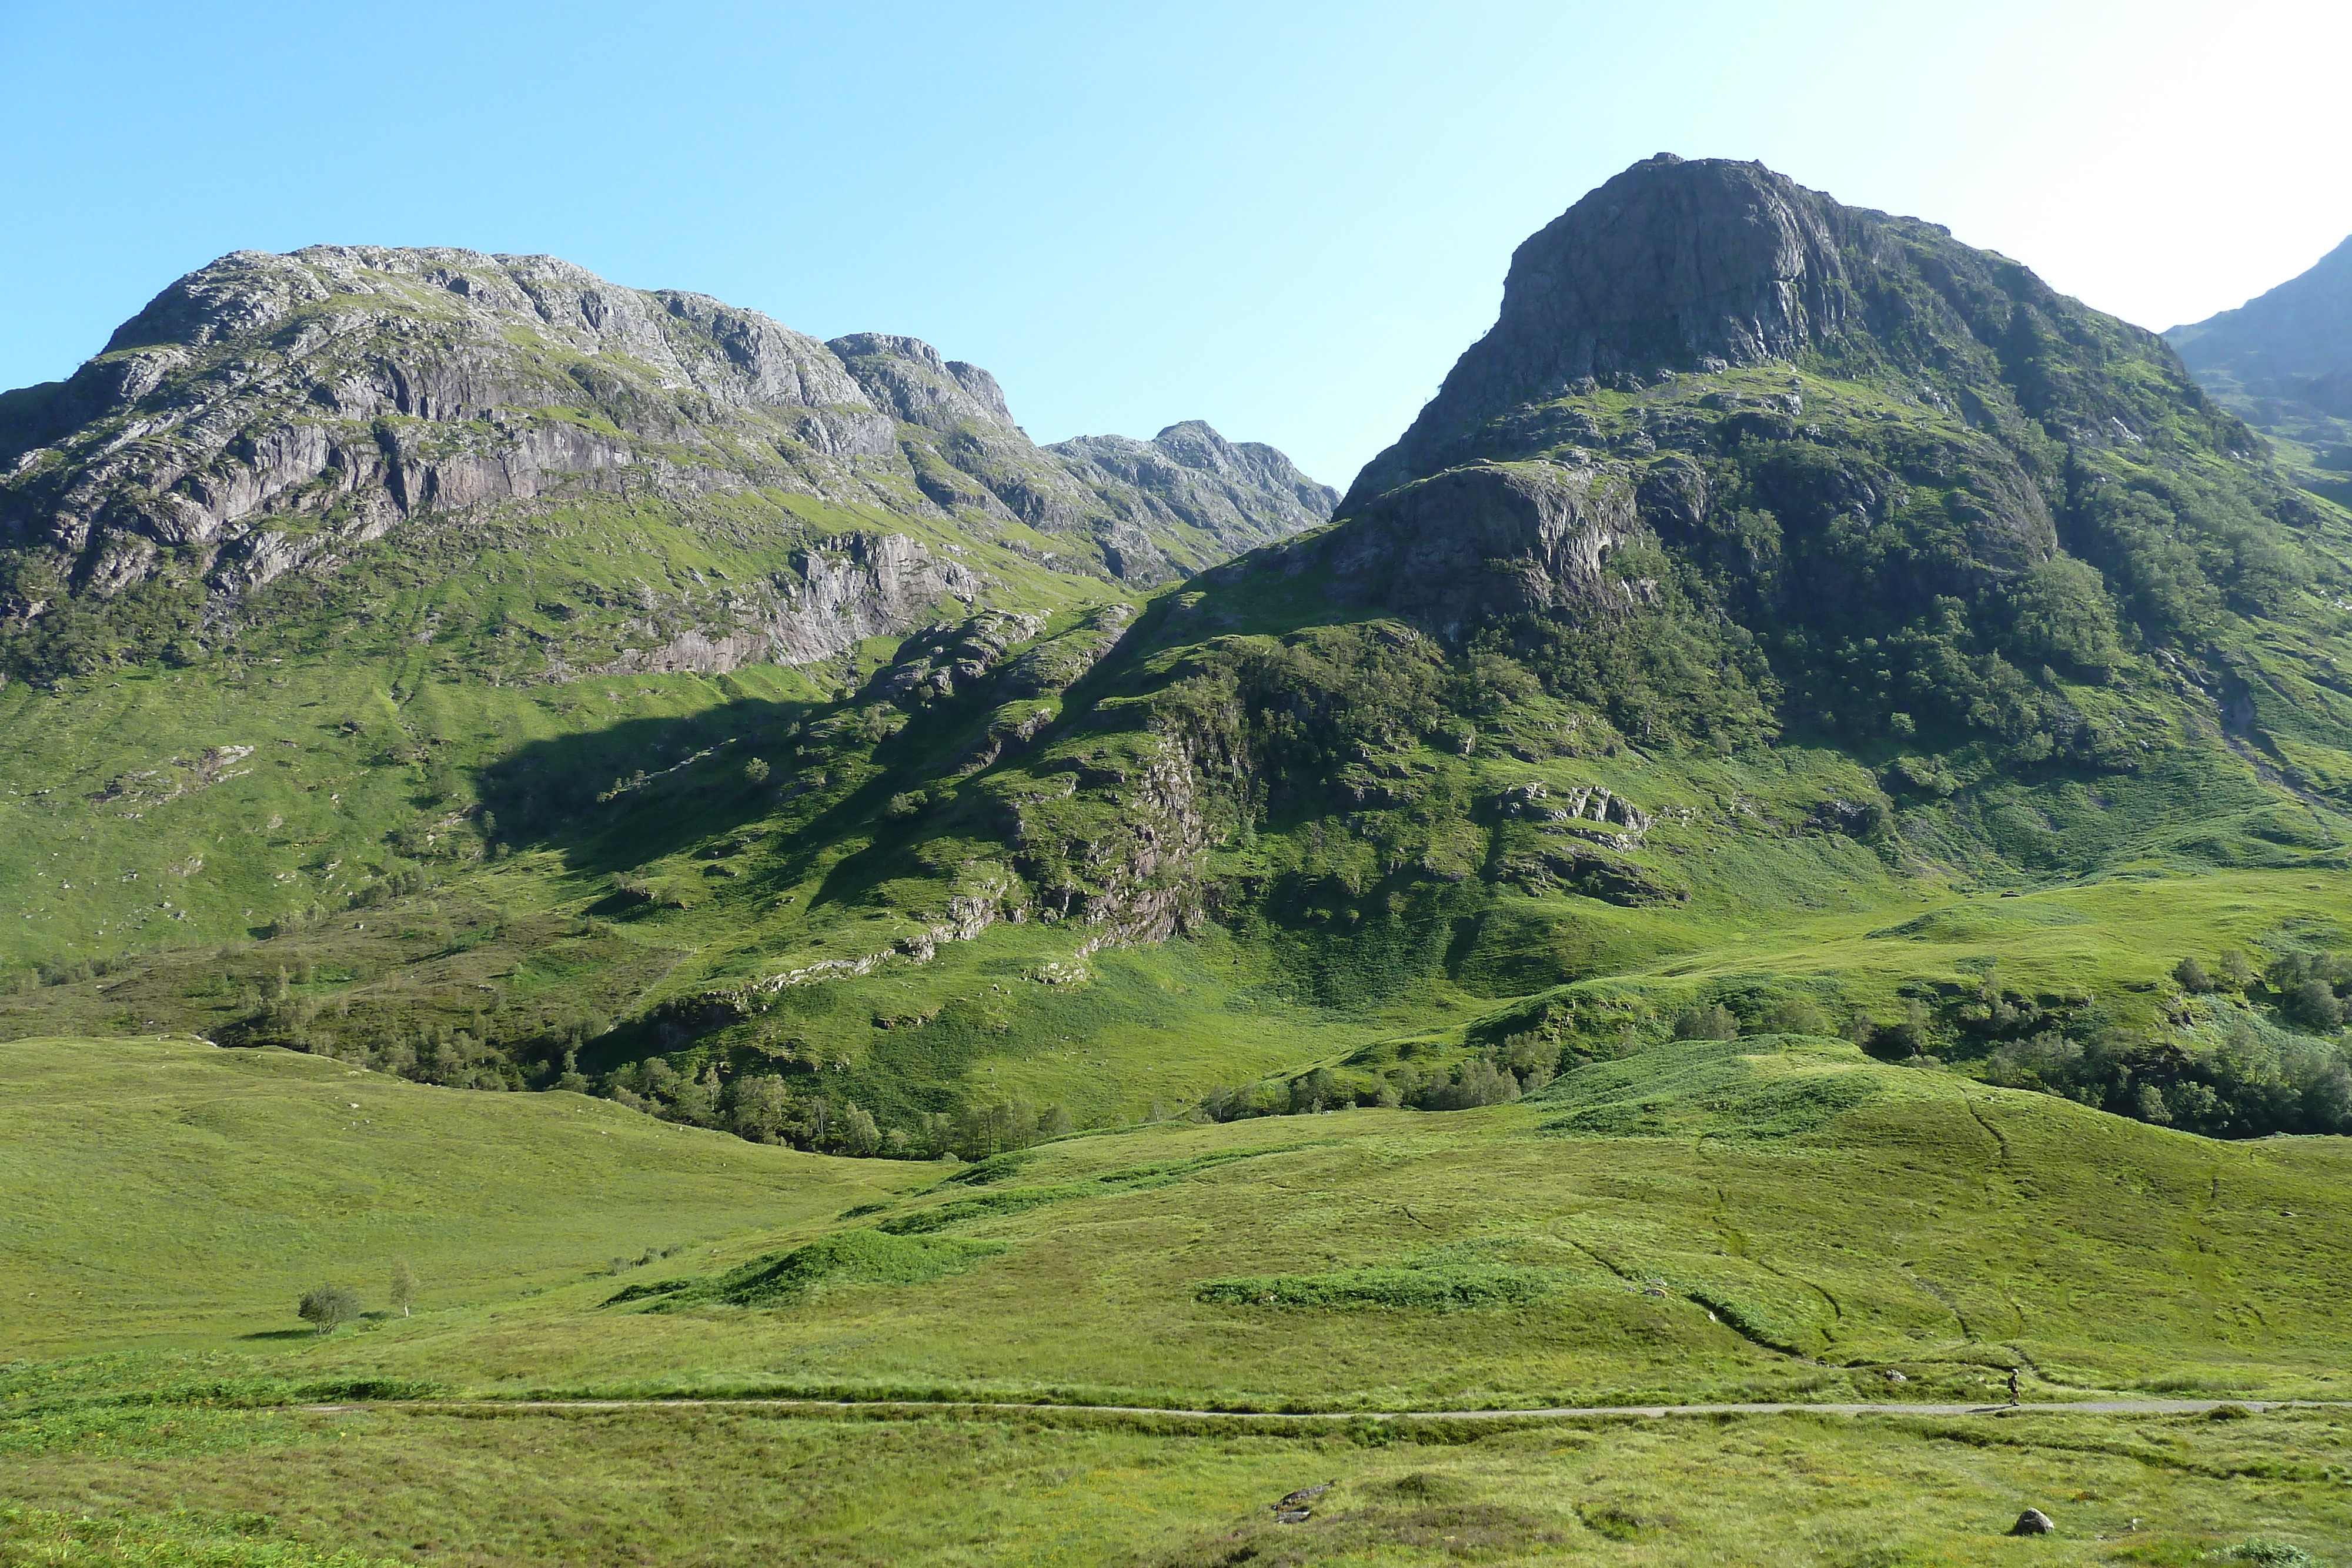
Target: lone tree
<point>328,1308</point>
<point>404,1285</point>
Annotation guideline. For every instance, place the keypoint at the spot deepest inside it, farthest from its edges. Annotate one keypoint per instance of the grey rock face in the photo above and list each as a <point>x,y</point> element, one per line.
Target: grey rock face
<point>849,588</point>
<point>1190,486</point>
<point>1153,510</point>
<point>1676,269</point>
<point>1490,538</point>
<point>907,377</point>
<point>267,413</point>
<point>1669,266</point>
<point>270,409</point>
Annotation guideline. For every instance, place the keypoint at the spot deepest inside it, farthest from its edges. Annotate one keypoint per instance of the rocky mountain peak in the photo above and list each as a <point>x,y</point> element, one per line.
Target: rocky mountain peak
<point>910,379</point>
<point>269,414</point>
<point>1671,263</point>
<point>1710,269</point>
<point>1674,265</point>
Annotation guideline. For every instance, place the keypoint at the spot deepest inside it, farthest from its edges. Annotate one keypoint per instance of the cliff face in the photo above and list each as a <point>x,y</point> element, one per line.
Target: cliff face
<point>269,414</point>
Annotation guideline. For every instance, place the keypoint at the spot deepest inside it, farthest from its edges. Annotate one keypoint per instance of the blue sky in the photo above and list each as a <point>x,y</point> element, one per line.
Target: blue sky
<point>1285,219</point>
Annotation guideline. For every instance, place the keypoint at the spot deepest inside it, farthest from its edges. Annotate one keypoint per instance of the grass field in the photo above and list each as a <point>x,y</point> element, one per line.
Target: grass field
<point>737,1487</point>
<point>167,1190</point>
<point>1763,1218</point>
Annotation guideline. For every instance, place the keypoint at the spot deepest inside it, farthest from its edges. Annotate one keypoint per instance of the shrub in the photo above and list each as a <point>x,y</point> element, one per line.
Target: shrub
<point>2313,1002</point>
<point>755,772</point>
<point>1481,1081</point>
<point>1449,1288</point>
<point>1714,1021</point>
<point>328,1308</point>
<point>2192,976</point>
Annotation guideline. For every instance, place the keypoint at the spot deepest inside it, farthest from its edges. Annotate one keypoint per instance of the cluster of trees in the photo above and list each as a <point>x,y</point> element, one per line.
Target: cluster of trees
<point>1520,1065</point>
<point>765,1108</point>
<point>2247,1086</point>
<point>2309,989</point>
<point>2254,1081</point>
<point>327,1308</point>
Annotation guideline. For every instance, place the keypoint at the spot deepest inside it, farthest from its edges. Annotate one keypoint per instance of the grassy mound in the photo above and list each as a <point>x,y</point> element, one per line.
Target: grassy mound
<point>1760,1087</point>
<point>847,1258</point>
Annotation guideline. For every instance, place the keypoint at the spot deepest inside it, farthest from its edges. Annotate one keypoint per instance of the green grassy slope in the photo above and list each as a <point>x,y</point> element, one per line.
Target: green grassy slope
<point>749,1487</point>
<point>1776,1218</point>
<point>163,1191</point>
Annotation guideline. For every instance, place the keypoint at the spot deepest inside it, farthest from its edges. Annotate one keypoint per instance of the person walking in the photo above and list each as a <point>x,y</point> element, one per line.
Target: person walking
<point>2012,1386</point>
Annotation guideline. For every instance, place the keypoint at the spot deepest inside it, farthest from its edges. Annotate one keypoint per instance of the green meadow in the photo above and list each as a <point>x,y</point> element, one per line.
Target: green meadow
<point>1775,1217</point>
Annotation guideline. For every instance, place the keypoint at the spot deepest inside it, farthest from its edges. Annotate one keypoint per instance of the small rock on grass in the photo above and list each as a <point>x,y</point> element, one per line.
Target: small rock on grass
<point>2034,1521</point>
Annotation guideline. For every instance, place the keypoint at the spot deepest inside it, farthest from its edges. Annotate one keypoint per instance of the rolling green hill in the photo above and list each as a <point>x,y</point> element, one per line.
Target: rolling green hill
<point>1776,1217</point>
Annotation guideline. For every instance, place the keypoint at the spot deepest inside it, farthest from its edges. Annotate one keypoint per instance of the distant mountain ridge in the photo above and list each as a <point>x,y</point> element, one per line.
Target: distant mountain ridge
<point>2282,361</point>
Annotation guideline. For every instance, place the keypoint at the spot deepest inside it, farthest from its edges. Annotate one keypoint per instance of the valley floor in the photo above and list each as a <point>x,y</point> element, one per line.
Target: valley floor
<point>1777,1220</point>
<point>737,1486</point>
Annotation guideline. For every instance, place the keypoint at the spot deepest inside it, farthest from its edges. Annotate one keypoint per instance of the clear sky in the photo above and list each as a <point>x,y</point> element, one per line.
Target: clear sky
<point>1287,219</point>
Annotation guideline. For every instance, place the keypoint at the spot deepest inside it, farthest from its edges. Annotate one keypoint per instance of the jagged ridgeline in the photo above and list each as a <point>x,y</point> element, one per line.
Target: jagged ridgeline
<point>1773,583</point>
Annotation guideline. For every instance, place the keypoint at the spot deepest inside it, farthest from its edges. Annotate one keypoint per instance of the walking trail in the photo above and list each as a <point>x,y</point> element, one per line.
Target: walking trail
<point>985,1407</point>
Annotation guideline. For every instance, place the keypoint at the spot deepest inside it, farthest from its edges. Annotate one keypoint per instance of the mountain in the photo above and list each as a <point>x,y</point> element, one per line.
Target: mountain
<point>2284,363</point>
<point>270,415</point>
<point>1786,619</point>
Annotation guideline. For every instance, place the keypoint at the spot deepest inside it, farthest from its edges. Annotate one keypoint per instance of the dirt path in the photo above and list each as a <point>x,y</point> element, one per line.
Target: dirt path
<point>987,1407</point>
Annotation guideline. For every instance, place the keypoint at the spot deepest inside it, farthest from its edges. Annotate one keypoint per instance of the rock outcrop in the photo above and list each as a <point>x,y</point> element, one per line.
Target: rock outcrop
<point>1483,540</point>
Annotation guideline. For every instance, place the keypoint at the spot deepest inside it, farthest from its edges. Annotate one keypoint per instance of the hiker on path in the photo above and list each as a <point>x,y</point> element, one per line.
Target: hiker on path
<point>2012,1386</point>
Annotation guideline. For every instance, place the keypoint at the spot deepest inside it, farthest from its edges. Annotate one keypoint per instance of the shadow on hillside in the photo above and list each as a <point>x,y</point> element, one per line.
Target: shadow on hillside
<point>616,797</point>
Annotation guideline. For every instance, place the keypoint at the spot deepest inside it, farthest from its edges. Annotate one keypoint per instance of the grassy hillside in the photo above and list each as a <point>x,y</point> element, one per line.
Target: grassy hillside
<point>167,1191</point>
<point>1723,1219</point>
<point>1778,1217</point>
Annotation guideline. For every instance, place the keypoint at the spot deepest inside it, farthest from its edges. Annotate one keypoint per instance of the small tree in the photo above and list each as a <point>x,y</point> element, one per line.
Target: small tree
<point>758,1107</point>
<point>404,1285</point>
<point>2236,973</point>
<point>2192,978</point>
<point>328,1308</point>
<point>1712,1022</point>
<point>755,772</point>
